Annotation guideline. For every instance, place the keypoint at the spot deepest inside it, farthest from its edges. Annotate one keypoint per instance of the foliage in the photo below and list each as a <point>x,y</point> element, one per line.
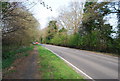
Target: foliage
<point>52,29</point>
<point>19,30</point>
<point>18,27</point>
<point>59,39</point>
<point>92,32</point>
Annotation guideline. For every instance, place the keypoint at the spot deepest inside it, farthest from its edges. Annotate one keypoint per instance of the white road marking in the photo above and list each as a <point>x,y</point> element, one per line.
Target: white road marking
<point>72,65</point>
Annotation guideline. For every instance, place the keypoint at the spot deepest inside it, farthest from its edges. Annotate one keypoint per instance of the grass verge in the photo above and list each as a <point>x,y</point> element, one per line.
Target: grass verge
<point>12,55</point>
<point>52,67</point>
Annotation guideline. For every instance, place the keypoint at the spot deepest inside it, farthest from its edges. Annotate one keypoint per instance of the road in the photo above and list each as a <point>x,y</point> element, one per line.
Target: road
<point>97,66</point>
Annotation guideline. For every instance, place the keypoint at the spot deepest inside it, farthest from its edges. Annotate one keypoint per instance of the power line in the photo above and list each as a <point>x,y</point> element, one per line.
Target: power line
<point>42,3</point>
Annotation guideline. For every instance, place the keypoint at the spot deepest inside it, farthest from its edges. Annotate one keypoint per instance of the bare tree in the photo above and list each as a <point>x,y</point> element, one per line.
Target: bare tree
<point>72,17</point>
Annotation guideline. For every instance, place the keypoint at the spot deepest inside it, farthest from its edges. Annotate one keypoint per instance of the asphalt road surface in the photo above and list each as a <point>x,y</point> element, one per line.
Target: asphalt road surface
<point>97,66</point>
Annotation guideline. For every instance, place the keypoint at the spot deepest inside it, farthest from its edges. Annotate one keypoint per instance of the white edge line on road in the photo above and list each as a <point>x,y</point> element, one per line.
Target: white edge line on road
<point>72,65</point>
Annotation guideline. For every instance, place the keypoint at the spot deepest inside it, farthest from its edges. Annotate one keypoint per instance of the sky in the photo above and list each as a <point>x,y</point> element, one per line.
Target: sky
<point>43,15</point>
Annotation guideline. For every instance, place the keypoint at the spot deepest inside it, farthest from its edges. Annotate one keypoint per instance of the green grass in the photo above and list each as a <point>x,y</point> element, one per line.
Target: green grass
<point>11,71</point>
<point>52,67</point>
<point>10,56</point>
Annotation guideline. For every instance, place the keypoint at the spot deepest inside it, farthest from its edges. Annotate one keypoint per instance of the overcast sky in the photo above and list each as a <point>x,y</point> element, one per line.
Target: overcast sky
<point>43,15</point>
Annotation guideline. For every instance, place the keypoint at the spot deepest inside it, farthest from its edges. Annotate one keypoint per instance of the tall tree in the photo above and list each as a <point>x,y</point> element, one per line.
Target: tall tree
<point>52,29</point>
<point>71,17</point>
<point>93,24</point>
<point>19,26</point>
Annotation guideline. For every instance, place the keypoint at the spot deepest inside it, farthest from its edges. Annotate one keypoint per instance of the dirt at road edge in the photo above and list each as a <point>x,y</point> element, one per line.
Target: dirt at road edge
<point>26,68</point>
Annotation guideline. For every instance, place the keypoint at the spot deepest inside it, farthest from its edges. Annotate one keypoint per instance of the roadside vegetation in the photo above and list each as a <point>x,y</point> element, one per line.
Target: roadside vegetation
<point>86,27</point>
<point>52,67</point>
<point>9,57</point>
<point>17,25</point>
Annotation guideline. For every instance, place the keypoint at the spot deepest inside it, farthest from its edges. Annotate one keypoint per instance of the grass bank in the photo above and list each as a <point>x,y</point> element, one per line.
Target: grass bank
<point>52,67</point>
<point>10,56</point>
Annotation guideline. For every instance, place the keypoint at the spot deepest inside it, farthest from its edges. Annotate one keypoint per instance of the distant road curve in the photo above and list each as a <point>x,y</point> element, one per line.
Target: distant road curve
<point>97,66</point>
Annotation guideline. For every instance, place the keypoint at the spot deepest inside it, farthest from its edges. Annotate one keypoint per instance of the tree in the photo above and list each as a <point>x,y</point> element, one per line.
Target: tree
<point>89,28</point>
<point>94,26</point>
<point>52,30</point>
<point>71,17</point>
<point>19,28</point>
